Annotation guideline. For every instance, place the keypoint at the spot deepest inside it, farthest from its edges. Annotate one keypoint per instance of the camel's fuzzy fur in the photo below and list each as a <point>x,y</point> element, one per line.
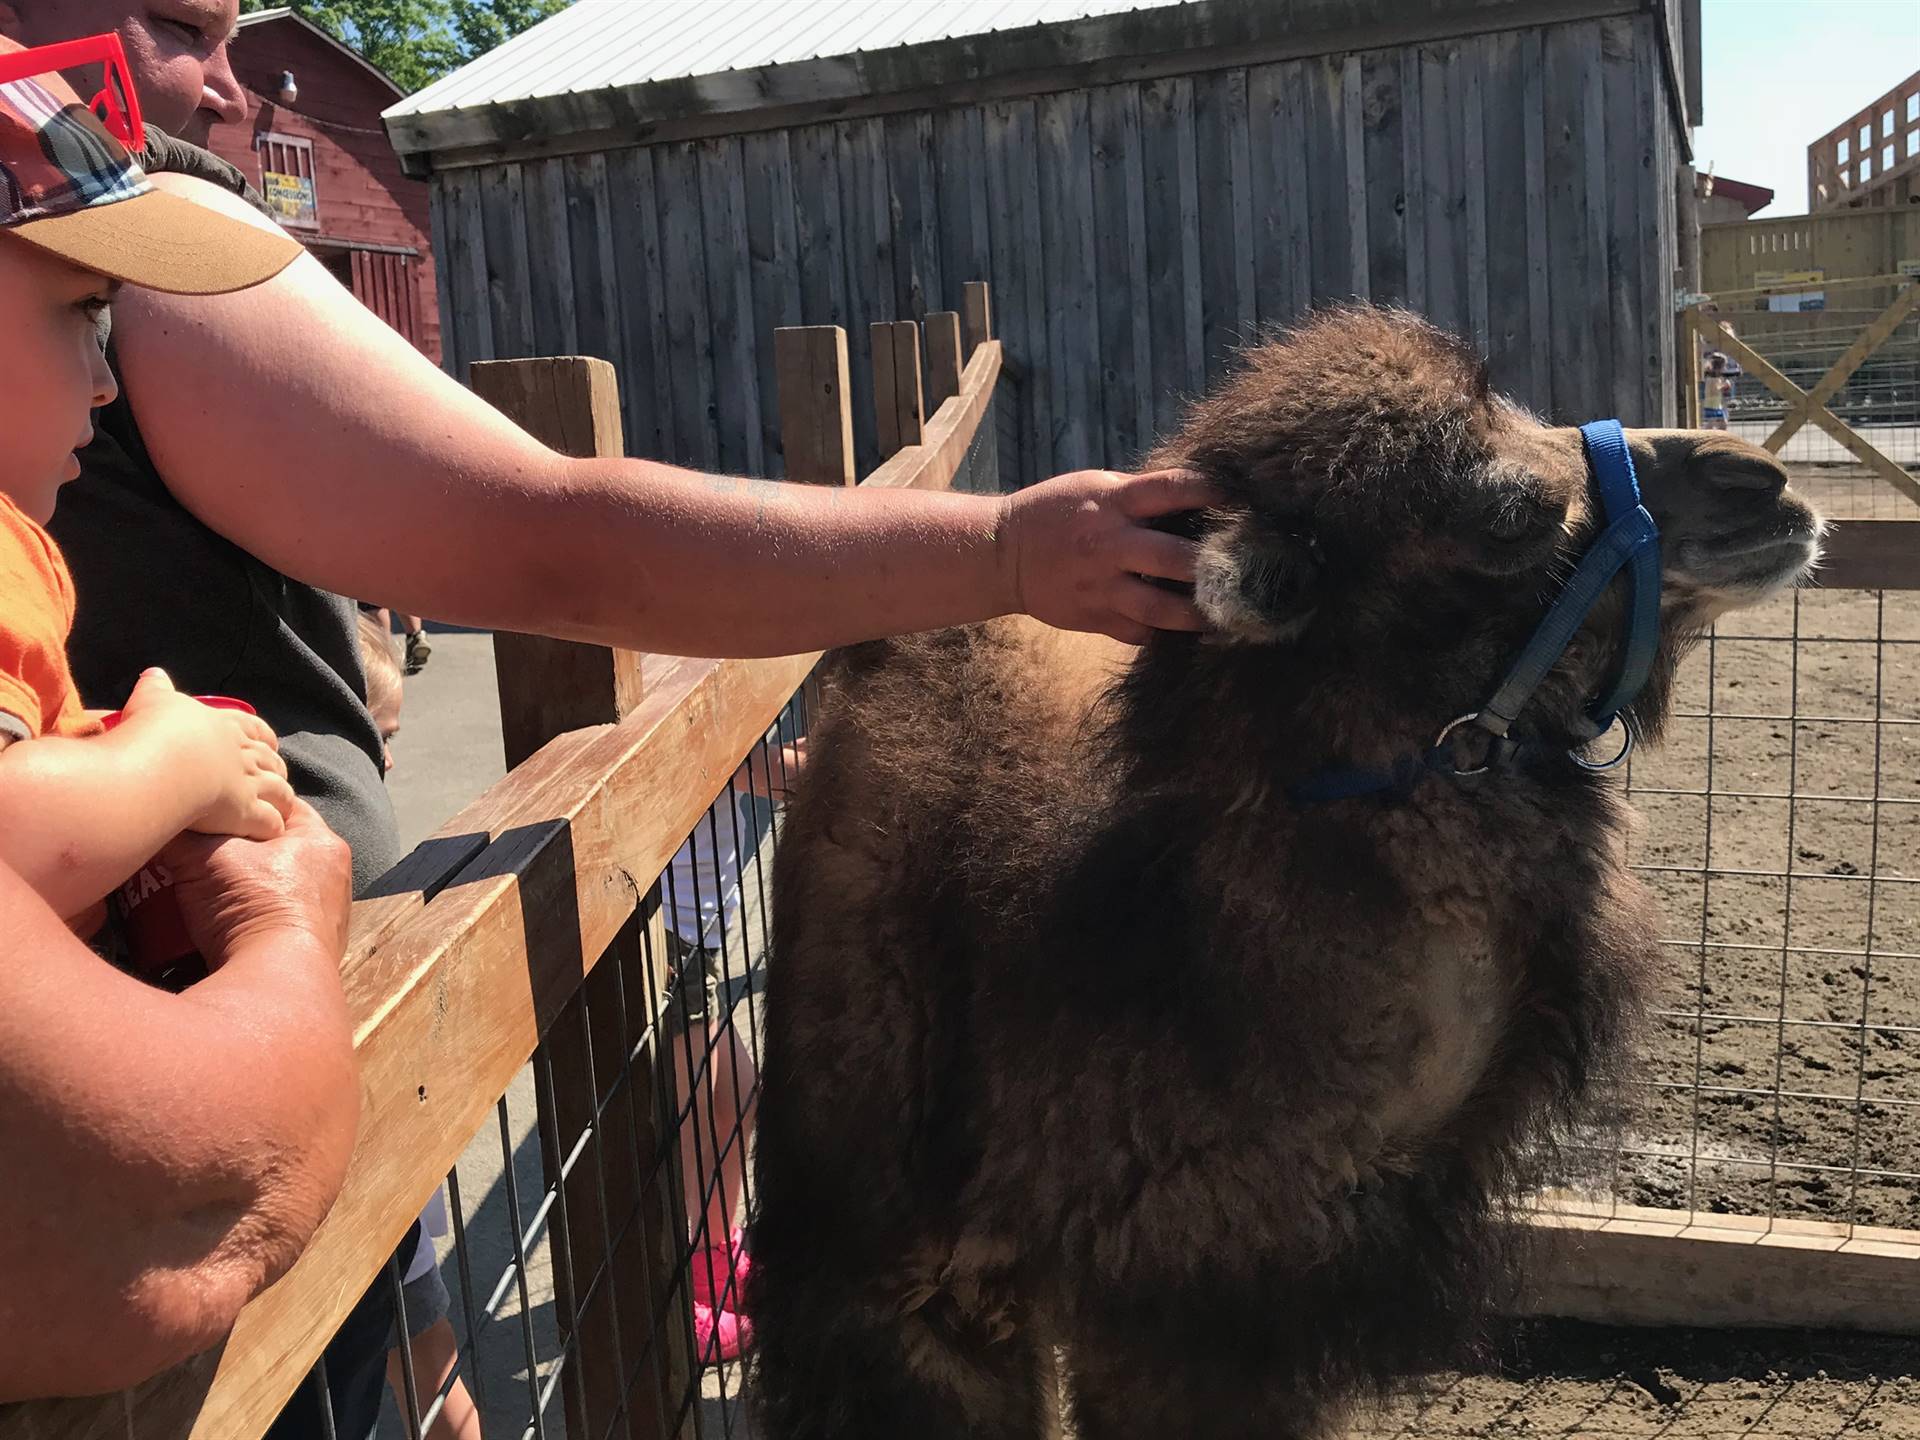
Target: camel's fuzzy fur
<point>1084,1039</point>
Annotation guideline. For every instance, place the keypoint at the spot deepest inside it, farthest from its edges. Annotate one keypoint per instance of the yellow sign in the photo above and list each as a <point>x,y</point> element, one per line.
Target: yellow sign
<point>291,197</point>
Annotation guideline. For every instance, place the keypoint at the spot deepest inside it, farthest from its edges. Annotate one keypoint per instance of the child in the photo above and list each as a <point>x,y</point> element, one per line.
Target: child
<point>81,809</point>
<point>1716,391</point>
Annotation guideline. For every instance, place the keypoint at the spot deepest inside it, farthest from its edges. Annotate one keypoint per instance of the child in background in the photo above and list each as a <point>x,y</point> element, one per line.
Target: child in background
<point>702,896</point>
<point>1716,392</point>
<point>82,809</point>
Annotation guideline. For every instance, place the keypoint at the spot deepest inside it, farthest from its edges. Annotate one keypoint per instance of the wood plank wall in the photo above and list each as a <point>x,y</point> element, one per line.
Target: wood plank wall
<point>1514,186</point>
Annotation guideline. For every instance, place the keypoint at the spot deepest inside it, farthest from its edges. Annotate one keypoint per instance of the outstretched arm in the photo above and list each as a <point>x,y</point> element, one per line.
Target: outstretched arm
<point>474,521</point>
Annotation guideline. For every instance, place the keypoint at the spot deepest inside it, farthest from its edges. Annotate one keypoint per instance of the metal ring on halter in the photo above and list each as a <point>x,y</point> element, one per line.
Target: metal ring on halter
<point>1441,739</point>
<point>1626,748</point>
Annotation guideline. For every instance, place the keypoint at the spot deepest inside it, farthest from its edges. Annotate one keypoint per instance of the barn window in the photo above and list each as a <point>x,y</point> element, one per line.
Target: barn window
<point>1886,124</point>
<point>1866,168</point>
<point>1886,157</point>
<point>1913,142</point>
<point>1842,152</point>
<point>1866,138</point>
<point>287,181</point>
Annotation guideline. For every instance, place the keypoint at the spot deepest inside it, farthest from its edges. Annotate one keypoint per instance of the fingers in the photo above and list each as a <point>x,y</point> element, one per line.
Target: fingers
<point>1166,492</point>
<point>1155,608</point>
<point>263,821</point>
<point>1151,552</point>
<point>277,793</point>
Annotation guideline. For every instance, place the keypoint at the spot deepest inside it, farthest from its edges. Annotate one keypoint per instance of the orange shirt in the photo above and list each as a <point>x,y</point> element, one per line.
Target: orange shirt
<point>36,615</point>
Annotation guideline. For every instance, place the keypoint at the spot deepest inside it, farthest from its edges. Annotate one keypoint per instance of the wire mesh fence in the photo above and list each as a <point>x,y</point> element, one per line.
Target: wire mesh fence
<point>548,1211</point>
<point>1780,1075</point>
<point>1880,399</point>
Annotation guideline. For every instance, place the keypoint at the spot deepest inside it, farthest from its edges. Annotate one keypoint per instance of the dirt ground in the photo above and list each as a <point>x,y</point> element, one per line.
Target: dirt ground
<point>1782,1065</point>
<point>1585,1382</point>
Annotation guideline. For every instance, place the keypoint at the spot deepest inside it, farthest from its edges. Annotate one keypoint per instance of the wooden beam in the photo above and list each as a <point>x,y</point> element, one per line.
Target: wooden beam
<point>932,464</point>
<point>1800,287</point>
<point>943,358</point>
<point>976,312</point>
<point>1869,340</point>
<point>898,405</point>
<point>1770,376</point>
<point>1870,555</point>
<point>571,405</point>
<point>816,410</point>
<point>547,688</point>
<point>1625,1265</point>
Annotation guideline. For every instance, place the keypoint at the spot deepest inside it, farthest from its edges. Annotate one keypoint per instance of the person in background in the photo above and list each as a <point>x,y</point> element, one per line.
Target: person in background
<point>418,651</point>
<point>702,891</point>
<point>1716,391</point>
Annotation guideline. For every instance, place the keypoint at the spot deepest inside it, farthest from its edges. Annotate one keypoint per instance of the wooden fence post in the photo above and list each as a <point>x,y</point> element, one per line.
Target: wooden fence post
<point>609,1292</point>
<point>976,316</point>
<point>898,407</point>
<point>816,408</point>
<point>943,358</point>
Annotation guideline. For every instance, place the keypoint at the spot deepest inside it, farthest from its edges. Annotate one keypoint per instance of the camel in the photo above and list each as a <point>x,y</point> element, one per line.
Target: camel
<point>1196,1013</point>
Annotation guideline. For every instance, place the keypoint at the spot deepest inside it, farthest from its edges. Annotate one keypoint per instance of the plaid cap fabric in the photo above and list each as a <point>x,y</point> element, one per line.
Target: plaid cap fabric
<point>57,159</point>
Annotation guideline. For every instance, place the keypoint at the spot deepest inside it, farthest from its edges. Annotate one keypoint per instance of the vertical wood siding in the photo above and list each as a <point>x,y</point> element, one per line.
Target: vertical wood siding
<point>1513,186</point>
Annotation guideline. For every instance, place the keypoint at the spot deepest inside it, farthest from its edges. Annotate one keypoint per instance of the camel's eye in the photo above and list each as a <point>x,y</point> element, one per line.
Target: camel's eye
<point>1511,520</point>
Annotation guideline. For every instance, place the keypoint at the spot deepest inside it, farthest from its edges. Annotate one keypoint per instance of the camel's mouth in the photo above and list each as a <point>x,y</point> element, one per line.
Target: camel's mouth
<point>1747,566</point>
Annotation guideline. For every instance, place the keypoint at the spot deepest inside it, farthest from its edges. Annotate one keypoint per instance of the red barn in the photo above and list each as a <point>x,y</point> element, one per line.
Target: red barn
<point>317,151</point>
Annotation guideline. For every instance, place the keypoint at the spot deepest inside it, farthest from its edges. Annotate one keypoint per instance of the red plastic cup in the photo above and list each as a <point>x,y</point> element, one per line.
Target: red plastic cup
<point>157,941</point>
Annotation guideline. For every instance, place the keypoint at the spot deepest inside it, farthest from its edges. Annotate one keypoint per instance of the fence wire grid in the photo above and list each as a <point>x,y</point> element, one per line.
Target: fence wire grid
<point>1780,1070</point>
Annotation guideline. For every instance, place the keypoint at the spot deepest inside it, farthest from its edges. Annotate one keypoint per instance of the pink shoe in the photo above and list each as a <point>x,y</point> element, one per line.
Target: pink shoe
<point>720,1334</point>
<point>719,1274</point>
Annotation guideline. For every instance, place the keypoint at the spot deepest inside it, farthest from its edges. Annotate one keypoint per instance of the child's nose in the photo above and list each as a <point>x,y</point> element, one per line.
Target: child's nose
<point>105,388</point>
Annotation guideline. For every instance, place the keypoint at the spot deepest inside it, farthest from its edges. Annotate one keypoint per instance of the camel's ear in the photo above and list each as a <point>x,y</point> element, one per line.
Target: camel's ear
<point>1258,581</point>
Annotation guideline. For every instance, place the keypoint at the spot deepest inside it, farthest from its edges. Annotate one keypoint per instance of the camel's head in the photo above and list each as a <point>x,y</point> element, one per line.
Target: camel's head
<point>1391,514</point>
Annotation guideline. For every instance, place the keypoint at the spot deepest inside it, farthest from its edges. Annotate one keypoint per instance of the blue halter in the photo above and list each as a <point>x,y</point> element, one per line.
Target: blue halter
<point>1630,542</point>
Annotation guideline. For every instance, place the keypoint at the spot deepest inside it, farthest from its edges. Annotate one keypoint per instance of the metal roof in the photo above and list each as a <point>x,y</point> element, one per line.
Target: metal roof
<point>605,44</point>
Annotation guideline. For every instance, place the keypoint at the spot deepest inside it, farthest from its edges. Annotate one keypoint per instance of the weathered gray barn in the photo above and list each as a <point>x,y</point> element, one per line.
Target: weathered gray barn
<point>663,182</point>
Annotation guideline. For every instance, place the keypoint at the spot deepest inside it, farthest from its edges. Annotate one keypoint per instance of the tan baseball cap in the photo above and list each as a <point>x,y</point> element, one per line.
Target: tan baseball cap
<point>71,188</point>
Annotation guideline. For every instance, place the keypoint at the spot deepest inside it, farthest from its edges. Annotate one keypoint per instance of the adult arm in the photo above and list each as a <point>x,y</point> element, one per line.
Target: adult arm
<point>168,1156</point>
<point>399,483</point>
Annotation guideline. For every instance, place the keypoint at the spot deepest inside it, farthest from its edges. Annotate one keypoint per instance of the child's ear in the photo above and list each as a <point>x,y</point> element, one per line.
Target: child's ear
<point>1258,582</point>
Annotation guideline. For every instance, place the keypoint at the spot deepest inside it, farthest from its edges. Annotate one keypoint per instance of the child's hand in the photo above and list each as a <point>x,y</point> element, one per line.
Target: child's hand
<point>226,754</point>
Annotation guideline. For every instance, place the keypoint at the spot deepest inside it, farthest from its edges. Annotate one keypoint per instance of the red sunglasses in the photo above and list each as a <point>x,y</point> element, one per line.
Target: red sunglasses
<point>117,105</point>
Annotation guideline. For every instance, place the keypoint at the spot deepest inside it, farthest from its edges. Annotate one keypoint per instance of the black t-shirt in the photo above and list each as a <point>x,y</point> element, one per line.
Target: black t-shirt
<point>157,587</point>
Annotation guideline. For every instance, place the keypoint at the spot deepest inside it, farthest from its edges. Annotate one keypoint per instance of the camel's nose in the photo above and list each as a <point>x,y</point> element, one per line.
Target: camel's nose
<point>1749,468</point>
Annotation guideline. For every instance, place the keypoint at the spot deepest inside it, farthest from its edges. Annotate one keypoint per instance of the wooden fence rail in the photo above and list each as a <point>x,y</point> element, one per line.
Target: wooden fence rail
<point>475,951</point>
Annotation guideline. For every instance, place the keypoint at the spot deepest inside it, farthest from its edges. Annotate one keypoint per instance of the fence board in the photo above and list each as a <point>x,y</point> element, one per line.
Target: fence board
<point>548,278</point>
<point>1383,163</point>
<point>509,298</point>
<point>689,328</point>
<point>1226,221</point>
<point>1327,213</point>
<point>1576,364</point>
<point>1072,317</point>
<point>960,176</point>
<point>816,404</point>
<point>915,208</point>
<point>1283,271</point>
<point>634,221</point>
<point>1470,91</point>
<point>1443,187</point>
<point>729,273</point>
<point>944,358</point>
<point>1173,281</point>
<point>771,244</point>
<point>1120,255</point>
<point>1504,147</point>
<point>869,257</point>
<point>1012,191</point>
<point>596,290</point>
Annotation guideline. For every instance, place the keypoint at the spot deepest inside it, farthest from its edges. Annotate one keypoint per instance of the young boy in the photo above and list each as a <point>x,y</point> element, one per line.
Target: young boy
<point>81,809</point>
